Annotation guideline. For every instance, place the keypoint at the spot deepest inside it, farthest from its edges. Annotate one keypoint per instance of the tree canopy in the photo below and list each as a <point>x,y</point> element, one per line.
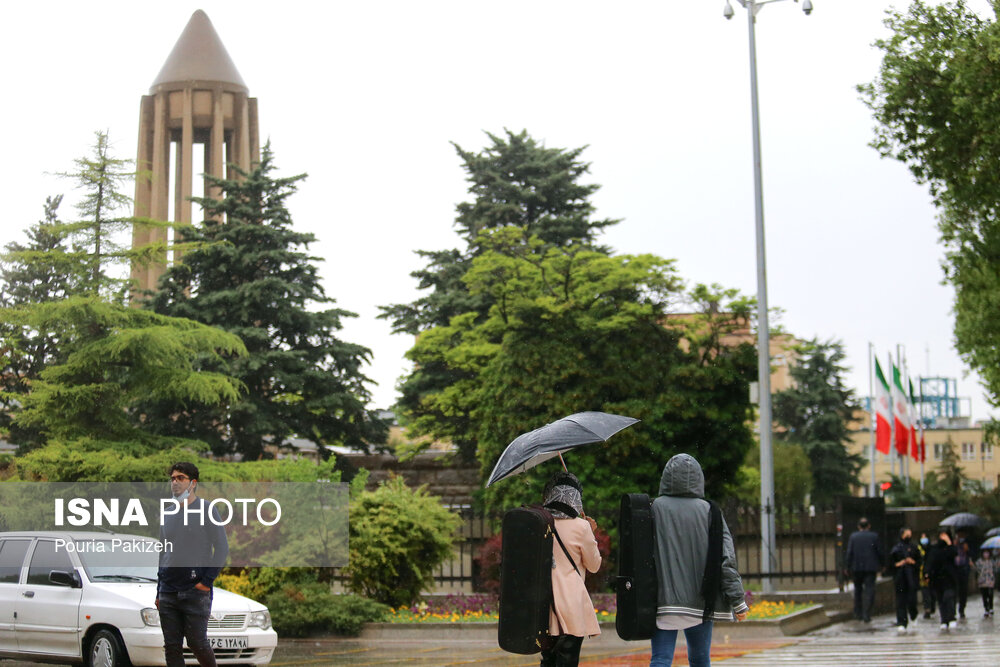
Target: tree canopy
<point>248,274</point>
<point>935,104</point>
<point>815,413</point>
<point>572,329</point>
<point>79,360</point>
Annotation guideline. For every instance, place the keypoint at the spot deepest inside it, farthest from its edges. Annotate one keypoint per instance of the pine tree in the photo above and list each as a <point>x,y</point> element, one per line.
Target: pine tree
<point>516,184</point>
<point>815,413</point>
<point>100,237</point>
<point>249,275</point>
<point>32,274</point>
<point>80,360</point>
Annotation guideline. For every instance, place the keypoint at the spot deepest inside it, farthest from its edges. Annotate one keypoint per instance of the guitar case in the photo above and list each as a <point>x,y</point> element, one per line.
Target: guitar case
<point>636,587</point>
<point>525,581</point>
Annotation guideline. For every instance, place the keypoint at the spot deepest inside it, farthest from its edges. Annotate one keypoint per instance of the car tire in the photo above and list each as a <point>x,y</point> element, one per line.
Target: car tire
<point>107,650</point>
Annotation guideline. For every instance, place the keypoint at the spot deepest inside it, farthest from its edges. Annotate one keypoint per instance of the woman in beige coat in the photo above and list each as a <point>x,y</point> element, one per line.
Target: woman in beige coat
<point>572,617</point>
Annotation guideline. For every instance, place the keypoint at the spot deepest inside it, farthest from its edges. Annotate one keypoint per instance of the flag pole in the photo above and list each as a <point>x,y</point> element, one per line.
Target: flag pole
<point>871,410</point>
<point>923,441</point>
<point>901,356</point>
<point>893,455</point>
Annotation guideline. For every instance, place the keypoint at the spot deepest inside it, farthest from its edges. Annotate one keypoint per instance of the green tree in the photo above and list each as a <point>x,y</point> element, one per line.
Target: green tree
<point>105,358</point>
<point>24,280</point>
<point>793,478</point>
<point>116,357</point>
<point>516,184</point>
<point>101,237</point>
<point>815,412</point>
<point>572,329</point>
<point>248,274</point>
<point>948,485</point>
<point>935,104</point>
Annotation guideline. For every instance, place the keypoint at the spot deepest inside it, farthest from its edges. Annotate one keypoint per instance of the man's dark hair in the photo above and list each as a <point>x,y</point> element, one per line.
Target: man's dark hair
<point>863,523</point>
<point>185,468</point>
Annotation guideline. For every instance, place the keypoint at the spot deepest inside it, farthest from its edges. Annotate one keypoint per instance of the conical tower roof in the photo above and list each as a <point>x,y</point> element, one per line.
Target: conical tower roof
<point>199,55</point>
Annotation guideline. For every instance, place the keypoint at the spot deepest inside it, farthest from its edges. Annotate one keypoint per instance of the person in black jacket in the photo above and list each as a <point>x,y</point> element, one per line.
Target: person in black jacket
<point>184,580</point>
<point>864,560</point>
<point>943,576</point>
<point>905,561</point>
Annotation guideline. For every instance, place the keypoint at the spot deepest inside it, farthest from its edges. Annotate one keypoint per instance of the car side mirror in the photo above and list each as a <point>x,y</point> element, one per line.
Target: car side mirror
<point>63,578</point>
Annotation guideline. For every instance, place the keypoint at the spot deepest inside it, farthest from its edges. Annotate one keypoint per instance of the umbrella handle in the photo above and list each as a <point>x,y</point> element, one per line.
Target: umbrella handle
<point>565,469</point>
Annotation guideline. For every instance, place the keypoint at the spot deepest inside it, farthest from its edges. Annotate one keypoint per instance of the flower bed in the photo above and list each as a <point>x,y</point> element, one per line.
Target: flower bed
<point>484,608</point>
<point>765,609</point>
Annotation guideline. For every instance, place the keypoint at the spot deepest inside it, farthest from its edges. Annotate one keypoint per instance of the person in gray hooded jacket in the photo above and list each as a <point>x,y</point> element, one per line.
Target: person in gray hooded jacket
<point>682,521</point>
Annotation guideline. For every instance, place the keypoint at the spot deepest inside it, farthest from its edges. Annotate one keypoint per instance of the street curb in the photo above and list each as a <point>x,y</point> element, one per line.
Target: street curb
<point>792,625</point>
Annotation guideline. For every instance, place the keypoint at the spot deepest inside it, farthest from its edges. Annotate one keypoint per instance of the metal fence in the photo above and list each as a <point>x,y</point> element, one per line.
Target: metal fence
<point>806,544</point>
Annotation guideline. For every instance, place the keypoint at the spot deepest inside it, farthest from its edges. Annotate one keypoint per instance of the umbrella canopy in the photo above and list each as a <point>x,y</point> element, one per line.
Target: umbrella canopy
<point>993,531</point>
<point>992,543</point>
<point>963,520</point>
<point>529,449</point>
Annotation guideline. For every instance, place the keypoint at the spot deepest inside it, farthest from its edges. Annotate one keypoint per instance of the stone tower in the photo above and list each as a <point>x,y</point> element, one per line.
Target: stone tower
<point>198,97</point>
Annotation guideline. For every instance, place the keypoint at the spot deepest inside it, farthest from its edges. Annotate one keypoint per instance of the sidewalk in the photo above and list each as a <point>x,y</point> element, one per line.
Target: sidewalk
<point>973,642</point>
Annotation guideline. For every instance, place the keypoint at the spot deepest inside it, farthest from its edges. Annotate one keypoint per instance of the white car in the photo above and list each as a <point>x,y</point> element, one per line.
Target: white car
<point>58,605</point>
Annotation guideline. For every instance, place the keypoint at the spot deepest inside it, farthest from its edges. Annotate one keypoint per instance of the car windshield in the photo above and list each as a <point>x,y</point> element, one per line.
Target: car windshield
<point>102,565</point>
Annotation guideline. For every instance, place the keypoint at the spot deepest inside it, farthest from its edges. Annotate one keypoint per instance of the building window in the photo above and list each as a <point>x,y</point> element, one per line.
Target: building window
<point>937,452</point>
<point>968,451</point>
<point>987,450</point>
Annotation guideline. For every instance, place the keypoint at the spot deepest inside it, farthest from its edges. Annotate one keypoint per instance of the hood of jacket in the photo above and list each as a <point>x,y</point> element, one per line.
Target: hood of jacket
<point>682,476</point>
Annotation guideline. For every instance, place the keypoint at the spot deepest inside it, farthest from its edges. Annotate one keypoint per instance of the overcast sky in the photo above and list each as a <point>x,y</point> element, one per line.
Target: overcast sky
<point>366,96</point>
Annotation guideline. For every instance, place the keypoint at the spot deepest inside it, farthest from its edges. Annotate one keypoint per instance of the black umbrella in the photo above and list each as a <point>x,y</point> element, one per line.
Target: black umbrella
<point>993,532</point>
<point>529,449</point>
<point>963,520</point>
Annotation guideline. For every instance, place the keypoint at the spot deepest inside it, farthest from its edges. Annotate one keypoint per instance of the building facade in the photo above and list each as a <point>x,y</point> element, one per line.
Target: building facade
<point>975,455</point>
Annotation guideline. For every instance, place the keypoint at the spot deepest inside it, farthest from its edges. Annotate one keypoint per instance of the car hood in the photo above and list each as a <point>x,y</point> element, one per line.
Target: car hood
<point>143,596</point>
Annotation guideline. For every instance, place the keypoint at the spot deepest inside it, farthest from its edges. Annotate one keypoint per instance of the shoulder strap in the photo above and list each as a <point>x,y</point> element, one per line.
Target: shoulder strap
<point>711,582</point>
<point>562,507</point>
<point>565,551</point>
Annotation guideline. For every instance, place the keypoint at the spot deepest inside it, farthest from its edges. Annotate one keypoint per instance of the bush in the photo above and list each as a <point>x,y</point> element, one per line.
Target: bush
<point>398,536</point>
<point>257,583</point>
<point>300,611</point>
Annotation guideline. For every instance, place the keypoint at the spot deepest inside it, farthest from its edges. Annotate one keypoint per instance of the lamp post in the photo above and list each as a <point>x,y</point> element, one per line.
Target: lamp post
<point>763,332</point>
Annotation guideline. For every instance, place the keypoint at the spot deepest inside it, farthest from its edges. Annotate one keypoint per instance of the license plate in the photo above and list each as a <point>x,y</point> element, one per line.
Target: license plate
<point>229,642</point>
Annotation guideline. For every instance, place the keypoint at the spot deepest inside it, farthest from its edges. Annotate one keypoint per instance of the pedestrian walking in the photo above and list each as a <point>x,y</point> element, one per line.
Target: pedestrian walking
<point>864,560</point>
<point>697,579</point>
<point>943,576</point>
<point>926,593</point>
<point>198,550</point>
<point>905,562</point>
<point>572,617</point>
<point>986,579</point>
<point>963,566</point>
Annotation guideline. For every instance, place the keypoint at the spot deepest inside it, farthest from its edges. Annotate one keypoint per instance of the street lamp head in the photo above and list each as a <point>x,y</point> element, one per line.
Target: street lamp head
<point>807,7</point>
<point>728,11</point>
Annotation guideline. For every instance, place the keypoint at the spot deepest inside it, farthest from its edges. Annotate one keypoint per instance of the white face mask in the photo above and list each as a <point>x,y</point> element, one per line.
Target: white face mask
<point>924,541</point>
<point>187,492</point>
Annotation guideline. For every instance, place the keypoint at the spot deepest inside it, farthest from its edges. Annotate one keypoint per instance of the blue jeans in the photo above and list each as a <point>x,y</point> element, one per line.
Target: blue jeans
<point>699,643</point>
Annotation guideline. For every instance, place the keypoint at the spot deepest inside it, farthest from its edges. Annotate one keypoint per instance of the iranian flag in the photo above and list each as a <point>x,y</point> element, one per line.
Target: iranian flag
<point>901,413</point>
<point>914,420</point>
<point>883,411</point>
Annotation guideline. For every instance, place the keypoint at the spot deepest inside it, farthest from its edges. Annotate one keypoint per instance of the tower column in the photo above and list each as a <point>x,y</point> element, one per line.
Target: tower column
<point>143,183</point>
<point>218,140</point>
<point>159,206</point>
